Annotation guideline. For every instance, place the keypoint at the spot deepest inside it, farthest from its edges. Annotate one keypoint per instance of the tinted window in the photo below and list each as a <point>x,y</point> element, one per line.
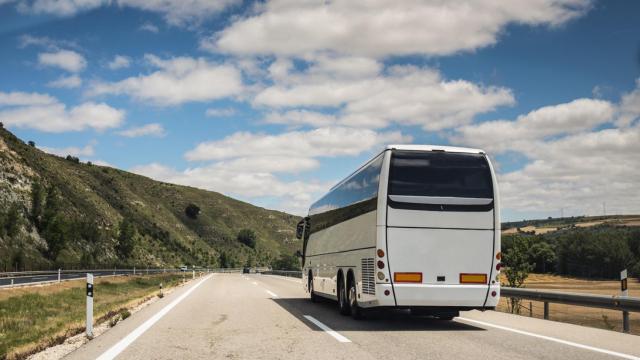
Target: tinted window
<point>360,187</point>
<point>444,174</point>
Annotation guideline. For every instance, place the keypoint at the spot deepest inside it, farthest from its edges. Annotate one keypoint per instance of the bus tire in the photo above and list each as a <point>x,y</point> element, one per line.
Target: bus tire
<point>343,303</point>
<point>352,294</point>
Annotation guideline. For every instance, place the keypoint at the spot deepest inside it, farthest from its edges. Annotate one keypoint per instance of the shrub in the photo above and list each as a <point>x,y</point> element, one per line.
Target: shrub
<point>124,313</point>
<point>192,211</point>
<point>247,237</point>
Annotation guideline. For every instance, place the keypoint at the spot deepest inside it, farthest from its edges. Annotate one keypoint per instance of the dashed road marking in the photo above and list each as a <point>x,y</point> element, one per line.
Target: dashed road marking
<point>271,293</point>
<point>327,329</point>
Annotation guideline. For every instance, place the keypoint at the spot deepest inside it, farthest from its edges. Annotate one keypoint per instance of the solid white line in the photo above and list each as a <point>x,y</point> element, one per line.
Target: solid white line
<point>271,293</point>
<point>295,280</point>
<point>327,329</point>
<point>549,338</point>
<point>116,349</point>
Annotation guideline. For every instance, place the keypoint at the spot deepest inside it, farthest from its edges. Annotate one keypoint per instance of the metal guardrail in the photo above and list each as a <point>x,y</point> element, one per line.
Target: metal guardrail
<point>296,274</point>
<point>625,304</point>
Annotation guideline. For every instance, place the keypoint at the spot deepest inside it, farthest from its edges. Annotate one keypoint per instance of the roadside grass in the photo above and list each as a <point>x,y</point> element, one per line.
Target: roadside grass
<point>579,315</point>
<point>34,318</point>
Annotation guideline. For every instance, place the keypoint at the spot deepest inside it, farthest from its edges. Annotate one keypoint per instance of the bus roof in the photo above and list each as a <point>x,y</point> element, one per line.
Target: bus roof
<point>436,148</point>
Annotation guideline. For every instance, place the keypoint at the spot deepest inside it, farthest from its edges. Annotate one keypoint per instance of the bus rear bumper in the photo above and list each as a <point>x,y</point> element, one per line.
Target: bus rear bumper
<point>467,296</point>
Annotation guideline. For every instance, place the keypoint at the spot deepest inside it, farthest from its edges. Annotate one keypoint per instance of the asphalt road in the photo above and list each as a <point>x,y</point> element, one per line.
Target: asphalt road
<point>233,316</point>
<point>34,279</point>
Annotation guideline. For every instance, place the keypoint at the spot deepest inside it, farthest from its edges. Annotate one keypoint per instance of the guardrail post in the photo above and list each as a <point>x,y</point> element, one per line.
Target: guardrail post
<point>625,322</point>
<point>89,330</point>
<point>59,270</point>
<point>161,290</point>
<point>546,310</point>
<point>134,270</point>
<point>11,282</point>
<point>194,274</point>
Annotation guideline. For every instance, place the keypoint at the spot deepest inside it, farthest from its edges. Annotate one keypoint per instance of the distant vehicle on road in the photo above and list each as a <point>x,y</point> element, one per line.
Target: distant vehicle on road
<point>184,268</point>
<point>417,227</point>
<point>246,270</point>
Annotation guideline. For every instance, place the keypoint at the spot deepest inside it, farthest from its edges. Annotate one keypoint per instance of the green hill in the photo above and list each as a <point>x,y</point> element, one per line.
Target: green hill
<point>61,212</point>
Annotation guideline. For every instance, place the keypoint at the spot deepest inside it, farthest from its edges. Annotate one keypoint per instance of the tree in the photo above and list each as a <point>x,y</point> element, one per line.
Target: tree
<point>192,211</point>
<point>55,234</point>
<point>247,237</point>
<point>37,202</point>
<point>287,262</point>
<point>543,256</point>
<point>516,260</point>
<point>126,238</point>
<point>13,221</point>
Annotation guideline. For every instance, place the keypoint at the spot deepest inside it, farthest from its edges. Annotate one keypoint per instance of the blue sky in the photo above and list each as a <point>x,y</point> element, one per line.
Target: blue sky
<point>273,102</point>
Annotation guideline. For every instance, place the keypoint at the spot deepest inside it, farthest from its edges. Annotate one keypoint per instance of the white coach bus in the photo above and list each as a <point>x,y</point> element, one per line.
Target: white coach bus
<point>416,227</point>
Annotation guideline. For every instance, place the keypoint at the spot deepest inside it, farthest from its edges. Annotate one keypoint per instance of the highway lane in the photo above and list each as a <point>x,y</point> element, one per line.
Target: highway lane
<point>265,317</point>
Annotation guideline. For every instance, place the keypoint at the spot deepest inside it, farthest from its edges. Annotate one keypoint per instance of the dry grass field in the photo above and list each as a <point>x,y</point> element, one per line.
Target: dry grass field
<point>35,317</point>
<point>599,318</point>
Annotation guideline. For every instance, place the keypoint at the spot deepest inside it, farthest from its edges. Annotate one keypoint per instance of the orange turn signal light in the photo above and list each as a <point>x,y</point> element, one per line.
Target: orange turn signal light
<point>407,277</point>
<point>380,253</point>
<point>473,278</point>
<point>499,255</point>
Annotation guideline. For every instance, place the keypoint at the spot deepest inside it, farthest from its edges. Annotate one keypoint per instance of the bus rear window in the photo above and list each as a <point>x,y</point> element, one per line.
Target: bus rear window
<point>421,173</point>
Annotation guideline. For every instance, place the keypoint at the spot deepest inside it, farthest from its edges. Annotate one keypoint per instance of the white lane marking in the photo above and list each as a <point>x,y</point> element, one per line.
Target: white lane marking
<point>271,293</point>
<point>549,338</point>
<point>327,329</point>
<point>116,349</point>
<point>295,280</point>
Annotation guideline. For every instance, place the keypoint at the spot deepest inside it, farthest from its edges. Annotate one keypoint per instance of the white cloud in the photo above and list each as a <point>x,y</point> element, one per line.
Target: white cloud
<point>293,196</point>
<point>524,133</point>
<point>322,142</point>
<point>119,62</point>
<point>406,95</point>
<point>377,28</point>
<point>152,129</point>
<point>45,113</point>
<point>572,162</point>
<point>59,7</point>
<point>149,27</point>
<point>17,98</point>
<point>175,12</point>
<point>178,80</point>
<point>220,112</point>
<point>46,42</point>
<point>68,60</point>
<point>578,173</point>
<point>67,82</point>
<point>87,150</point>
<point>630,106</point>
<point>245,164</point>
<point>301,117</point>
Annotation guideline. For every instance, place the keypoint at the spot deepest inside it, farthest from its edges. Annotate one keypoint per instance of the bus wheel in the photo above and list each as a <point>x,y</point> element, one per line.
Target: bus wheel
<point>356,311</point>
<point>343,302</point>
<point>312,294</point>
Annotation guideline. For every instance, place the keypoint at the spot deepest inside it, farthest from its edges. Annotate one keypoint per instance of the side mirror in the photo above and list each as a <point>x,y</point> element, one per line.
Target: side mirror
<point>300,229</point>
